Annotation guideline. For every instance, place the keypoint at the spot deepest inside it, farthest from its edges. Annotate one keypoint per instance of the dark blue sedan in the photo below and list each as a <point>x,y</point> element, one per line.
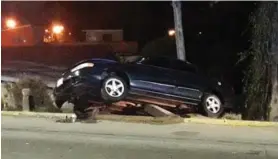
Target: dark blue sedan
<point>169,80</point>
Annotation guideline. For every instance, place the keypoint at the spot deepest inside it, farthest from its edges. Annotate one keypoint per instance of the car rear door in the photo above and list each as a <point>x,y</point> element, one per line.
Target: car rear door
<point>188,83</point>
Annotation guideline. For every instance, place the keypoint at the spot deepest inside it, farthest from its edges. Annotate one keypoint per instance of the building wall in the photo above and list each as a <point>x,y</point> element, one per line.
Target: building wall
<point>22,36</point>
<point>104,35</point>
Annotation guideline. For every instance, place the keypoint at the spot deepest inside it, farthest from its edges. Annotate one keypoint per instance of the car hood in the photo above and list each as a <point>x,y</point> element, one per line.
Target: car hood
<point>94,60</point>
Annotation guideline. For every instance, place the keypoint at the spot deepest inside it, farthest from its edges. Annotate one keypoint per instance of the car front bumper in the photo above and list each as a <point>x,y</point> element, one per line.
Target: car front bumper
<point>70,87</point>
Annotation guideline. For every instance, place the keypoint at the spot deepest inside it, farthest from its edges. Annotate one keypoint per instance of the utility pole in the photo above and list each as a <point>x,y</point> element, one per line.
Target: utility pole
<point>179,30</point>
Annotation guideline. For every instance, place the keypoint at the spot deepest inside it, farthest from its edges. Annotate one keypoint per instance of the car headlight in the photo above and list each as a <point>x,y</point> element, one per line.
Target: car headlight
<point>83,65</point>
<point>59,82</point>
<point>219,83</point>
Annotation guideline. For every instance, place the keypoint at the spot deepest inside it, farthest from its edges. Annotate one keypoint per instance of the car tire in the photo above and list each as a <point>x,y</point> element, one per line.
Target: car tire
<point>79,109</point>
<point>81,114</point>
<point>212,106</point>
<point>59,103</point>
<point>118,84</point>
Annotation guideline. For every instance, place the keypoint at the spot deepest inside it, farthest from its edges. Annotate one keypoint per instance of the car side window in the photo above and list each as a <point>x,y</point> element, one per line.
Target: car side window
<point>159,62</point>
<point>182,66</point>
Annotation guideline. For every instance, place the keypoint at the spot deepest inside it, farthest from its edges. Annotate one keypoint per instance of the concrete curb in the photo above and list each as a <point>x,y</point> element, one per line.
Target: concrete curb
<point>143,119</point>
<point>36,114</point>
<point>122,118</point>
<point>230,122</point>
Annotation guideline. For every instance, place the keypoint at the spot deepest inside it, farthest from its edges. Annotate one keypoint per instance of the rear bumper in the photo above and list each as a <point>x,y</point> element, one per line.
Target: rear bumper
<point>229,102</point>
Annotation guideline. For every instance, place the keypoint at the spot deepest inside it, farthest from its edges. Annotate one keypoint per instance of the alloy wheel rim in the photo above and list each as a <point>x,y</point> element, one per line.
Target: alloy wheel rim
<point>213,104</point>
<point>114,87</point>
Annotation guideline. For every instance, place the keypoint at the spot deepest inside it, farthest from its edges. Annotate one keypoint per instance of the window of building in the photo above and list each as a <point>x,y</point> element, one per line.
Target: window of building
<point>107,37</point>
<point>18,40</point>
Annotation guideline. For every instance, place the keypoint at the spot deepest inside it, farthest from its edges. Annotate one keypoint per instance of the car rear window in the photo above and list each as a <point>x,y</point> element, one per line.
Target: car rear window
<point>183,66</point>
<point>159,62</point>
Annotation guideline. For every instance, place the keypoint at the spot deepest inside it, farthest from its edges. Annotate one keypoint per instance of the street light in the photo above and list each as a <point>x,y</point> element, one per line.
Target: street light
<point>171,32</point>
<point>57,29</point>
<point>10,23</point>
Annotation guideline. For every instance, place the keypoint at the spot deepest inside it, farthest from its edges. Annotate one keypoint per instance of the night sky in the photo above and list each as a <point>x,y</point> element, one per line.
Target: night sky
<point>141,21</point>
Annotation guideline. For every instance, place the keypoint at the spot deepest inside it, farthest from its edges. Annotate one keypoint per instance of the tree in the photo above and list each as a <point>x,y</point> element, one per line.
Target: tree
<point>261,89</point>
<point>273,114</point>
<point>164,46</point>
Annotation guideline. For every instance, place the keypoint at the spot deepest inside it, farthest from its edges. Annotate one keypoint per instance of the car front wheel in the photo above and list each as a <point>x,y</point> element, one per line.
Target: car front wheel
<point>59,103</point>
<point>114,89</point>
<point>212,106</point>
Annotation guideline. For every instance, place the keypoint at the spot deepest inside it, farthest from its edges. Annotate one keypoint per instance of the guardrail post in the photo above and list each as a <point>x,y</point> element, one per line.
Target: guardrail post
<point>26,93</point>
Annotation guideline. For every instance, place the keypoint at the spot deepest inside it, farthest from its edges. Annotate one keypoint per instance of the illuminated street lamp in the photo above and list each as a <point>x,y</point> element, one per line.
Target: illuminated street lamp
<point>10,23</point>
<point>57,29</point>
<point>171,32</point>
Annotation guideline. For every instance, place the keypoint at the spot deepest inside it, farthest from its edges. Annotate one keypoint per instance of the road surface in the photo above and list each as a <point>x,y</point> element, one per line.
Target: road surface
<point>34,138</point>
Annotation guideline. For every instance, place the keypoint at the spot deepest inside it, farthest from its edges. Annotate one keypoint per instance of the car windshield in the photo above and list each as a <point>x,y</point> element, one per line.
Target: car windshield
<point>130,58</point>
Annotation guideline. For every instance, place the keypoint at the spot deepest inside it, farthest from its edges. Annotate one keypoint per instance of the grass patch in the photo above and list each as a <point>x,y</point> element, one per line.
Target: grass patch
<point>231,116</point>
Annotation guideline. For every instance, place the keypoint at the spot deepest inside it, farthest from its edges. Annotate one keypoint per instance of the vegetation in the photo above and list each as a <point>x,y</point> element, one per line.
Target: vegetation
<point>164,46</point>
<point>41,97</point>
<point>258,74</point>
<point>232,116</point>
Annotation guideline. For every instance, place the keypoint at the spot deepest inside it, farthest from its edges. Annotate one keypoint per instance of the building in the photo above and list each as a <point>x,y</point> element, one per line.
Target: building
<point>26,35</point>
<point>104,35</point>
<point>113,38</point>
<point>30,36</point>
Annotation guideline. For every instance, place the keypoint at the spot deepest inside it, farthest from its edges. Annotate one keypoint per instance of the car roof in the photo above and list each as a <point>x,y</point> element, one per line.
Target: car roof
<point>167,58</point>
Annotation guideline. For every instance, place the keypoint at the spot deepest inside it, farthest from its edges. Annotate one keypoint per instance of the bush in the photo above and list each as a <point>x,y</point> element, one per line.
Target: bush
<point>164,46</point>
<point>41,100</point>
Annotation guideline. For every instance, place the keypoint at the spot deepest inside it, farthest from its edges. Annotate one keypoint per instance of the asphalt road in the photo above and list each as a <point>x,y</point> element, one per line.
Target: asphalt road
<point>33,138</point>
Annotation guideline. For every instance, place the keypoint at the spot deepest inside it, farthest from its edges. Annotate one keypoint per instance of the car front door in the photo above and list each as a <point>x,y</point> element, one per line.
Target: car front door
<point>153,75</point>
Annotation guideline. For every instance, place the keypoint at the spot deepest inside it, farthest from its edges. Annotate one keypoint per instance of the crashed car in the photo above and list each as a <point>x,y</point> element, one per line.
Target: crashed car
<point>162,78</point>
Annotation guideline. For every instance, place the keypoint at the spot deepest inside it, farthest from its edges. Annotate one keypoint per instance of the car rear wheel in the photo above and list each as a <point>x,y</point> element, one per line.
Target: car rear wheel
<point>212,106</point>
<point>114,89</point>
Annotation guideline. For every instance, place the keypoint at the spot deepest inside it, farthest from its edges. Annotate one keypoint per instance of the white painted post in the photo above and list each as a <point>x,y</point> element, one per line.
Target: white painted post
<point>26,92</point>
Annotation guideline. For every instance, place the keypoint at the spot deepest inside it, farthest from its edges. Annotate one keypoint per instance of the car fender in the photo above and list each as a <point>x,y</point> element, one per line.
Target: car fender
<point>118,72</point>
